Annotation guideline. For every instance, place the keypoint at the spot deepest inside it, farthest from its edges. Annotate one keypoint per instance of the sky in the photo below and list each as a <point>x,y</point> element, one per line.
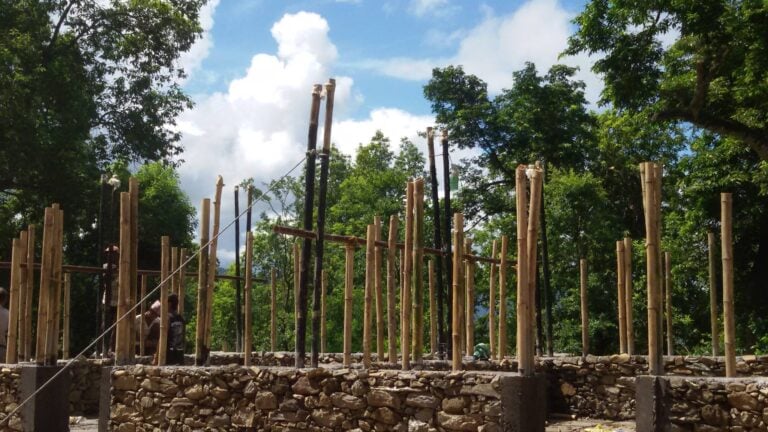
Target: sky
<point>251,76</point>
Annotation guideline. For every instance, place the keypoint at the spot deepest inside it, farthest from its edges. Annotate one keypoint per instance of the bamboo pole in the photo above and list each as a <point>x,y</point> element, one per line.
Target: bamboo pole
<point>165,262</point>
<point>133,191</point>
<point>273,311</point>
<point>212,263</point>
<point>11,355</point>
<point>122,338</point>
<point>142,311</point>
<point>182,279</point>
<point>65,316</point>
<point>533,236</point>
<point>432,309</point>
<point>502,345</point>
<point>22,297</point>
<point>378,290</point>
<point>668,302</point>
<point>45,282</point>
<point>349,275</point>
<point>492,303</point>
<point>57,285</point>
<point>391,282</point>
<point>525,363</point>
<point>323,322</point>
<point>367,311</point>
<point>648,175</point>
<point>405,299</point>
<point>584,307</point>
<point>201,349</point>
<point>470,299</point>
<point>296,280</point>
<point>248,332</point>
<point>238,285</point>
<point>458,241</point>
<point>621,296</point>
<point>417,338</point>
<point>713,313</point>
<point>28,294</point>
<point>628,313</point>
<point>726,244</point>
<point>174,270</point>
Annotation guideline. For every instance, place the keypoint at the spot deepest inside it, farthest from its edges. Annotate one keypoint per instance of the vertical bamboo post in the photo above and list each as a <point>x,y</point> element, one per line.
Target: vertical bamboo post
<point>713,312</point>
<point>212,264</point>
<point>182,279</point>
<point>22,297</point>
<point>65,316</point>
<point>45,282</point>
<point>432,309</point>
<point>57,283</point>
<point>391,282</point>
<point>584,307</point>
<point>296,280</point>
<point>628,315</point>
<point>323,322</point>
<point>532,255</point>
<point>142,311</point>
<point>470,300</point>
<point>124,281</point>
<point>247,331</point>
<point>458,241</point>
<point>201,349</point>
<point>367,310</point>
<point>621,296</point>
<point>133,191</point>
<point>726,244</point>
<point>273,311</point>
<point>668,302</point>
<point>11,355</point>
<point>417,331</point>
<point>378,291</point>
<point>648,175</point>
<point>525,363</point>
<point>165,262</point>
<point>28,295</point>
<point>174,270</point>
<point>349,275</point>
<point>405,300</point>
<point>502,345</point>
<point>492,302</point>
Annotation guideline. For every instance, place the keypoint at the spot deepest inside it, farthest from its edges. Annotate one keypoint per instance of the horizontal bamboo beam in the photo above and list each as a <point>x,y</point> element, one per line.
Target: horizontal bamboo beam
<point>359,241</point>
<point>87,269</point>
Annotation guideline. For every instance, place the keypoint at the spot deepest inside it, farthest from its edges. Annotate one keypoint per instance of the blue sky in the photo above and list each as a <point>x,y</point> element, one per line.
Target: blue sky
<point>252,72</point>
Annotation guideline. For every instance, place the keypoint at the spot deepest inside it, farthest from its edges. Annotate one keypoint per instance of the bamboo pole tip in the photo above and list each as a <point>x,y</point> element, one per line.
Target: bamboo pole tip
<point>331,84</point>
<point>219,181</point>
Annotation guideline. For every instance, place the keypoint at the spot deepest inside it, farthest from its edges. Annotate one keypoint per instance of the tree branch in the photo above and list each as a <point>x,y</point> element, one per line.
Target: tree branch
<point>57,29</point>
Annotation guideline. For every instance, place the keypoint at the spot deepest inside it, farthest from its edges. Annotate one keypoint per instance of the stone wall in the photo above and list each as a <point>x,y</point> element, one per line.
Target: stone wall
<point>10,383</point>
<point>716,404</point>
<point>85,383</point>
<point>283,399</point>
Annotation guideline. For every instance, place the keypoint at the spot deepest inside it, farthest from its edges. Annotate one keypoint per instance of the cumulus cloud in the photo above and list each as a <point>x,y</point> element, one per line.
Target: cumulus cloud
<point>258,127</point>
<point>422,8</point>
<point>536,32</point>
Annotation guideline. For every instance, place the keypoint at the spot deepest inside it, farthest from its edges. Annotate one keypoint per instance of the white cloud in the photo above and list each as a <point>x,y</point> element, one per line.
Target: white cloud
<point>421,8</point>
<point>258,127</point>
<point>536,32</point>
<point>192,59</point>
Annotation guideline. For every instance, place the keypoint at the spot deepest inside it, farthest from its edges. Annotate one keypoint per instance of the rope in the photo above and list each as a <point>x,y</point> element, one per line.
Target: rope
<point>6,420</point>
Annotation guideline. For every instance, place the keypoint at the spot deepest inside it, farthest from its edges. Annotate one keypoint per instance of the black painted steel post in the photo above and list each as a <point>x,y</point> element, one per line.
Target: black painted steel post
<point>238,291</point>
<point>438,243</point>
<point>447,234</point>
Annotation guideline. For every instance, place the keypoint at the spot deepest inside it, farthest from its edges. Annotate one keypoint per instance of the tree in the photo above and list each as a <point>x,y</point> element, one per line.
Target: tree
<point>714,75</point>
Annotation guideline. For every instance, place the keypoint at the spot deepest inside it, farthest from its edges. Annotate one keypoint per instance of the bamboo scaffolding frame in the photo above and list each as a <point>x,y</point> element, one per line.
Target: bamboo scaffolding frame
<point>22,325</point>
<point>65,317</point>
<point>405,299</point>
<point>133,191</point>
<point>649,180</point>
<point>28,294</point>
<point>378,290</point>
<point>212,263</point>
<point>11,355</point>
<point>52,338</point>
<point>525,362</point>
<point>182,279</point>
<point>417,268</point>
<point>349,275</point>
<point>201,349</point>
<point>628,300</point>
<point>142,311</point>
<point>469,286</point>
<point>391,282</point>
<point>45,282</point>
<point>456,330</point>
<point>122,338</point>
<point>502,345</point>
<point>367,310</point>
<point>668,302</point>
<point>534,219</point>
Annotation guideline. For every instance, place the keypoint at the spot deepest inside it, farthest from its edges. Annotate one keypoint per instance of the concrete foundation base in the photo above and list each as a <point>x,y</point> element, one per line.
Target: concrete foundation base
<point>653,402</point>
<point>523,403</point>
<point>49,409</point>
